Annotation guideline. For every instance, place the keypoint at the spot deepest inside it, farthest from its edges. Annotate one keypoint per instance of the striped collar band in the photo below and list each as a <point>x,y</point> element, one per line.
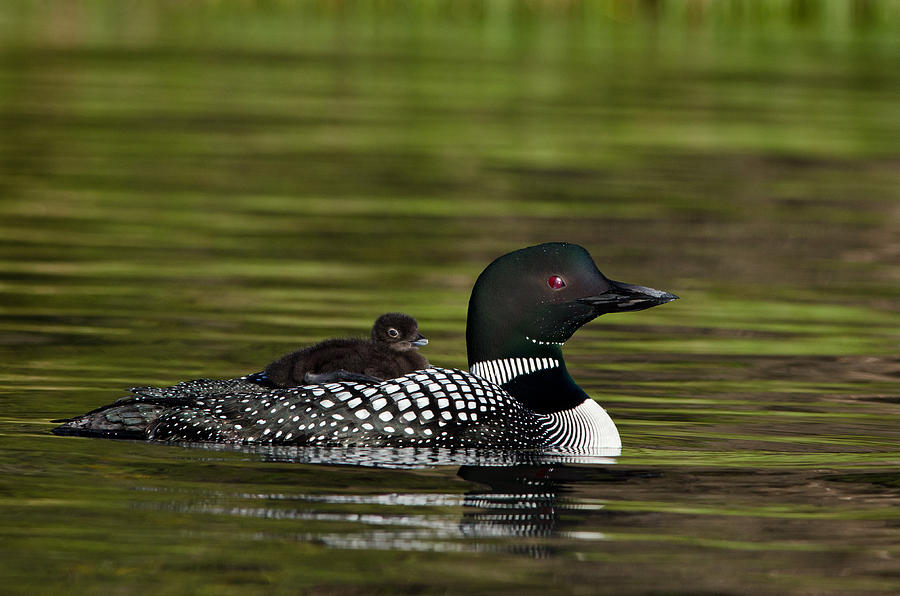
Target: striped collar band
<point>584,427</point>
<point>506,369</point>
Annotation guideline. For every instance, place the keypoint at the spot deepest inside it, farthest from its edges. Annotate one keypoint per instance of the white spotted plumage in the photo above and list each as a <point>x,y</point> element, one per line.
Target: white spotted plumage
<point>457,409</point>
<point>398,413</point>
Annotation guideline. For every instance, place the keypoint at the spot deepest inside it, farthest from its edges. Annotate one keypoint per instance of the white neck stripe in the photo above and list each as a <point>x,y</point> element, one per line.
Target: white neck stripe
<point>584,427</point>
<point>504,370</point>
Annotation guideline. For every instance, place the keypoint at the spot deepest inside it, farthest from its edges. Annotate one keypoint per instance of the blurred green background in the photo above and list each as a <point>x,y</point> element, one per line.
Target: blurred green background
<point>193,188</point>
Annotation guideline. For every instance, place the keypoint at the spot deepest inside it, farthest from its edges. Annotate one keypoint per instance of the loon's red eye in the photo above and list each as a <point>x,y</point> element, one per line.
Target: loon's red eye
<point>556,282</point>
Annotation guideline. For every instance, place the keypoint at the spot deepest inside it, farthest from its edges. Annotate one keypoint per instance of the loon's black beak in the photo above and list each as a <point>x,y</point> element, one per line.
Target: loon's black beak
<point>421,340</point>
<point>623,297</point>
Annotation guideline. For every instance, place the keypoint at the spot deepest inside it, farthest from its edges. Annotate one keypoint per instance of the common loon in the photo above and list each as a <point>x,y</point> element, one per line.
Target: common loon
<point>390,353</point>
<point>516,395</point>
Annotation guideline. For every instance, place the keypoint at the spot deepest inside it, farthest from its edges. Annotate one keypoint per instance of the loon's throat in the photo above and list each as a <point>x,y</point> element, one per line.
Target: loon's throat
<point>540,382</point>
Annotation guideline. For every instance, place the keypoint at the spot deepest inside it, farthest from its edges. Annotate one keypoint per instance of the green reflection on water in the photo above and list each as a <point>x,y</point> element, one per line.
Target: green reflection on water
<point>191,189</point>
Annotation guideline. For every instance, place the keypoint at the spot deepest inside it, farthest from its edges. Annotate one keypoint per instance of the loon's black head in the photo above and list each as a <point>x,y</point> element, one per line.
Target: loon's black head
<point>528,302</point>
<point>399,331</point>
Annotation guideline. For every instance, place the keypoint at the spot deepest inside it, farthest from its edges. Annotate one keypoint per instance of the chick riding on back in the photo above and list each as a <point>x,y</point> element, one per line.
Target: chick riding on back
<point>391,352</point>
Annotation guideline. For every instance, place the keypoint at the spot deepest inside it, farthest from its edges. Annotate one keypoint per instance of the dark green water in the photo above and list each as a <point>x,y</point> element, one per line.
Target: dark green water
<point>190,190</point>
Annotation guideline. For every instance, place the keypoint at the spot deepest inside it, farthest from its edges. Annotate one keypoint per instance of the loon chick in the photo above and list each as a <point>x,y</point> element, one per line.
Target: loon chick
<point>516,395</point>
<point>391,352</point>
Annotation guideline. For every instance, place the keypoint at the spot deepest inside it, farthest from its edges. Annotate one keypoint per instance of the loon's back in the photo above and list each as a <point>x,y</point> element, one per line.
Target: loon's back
<point>434,407</point>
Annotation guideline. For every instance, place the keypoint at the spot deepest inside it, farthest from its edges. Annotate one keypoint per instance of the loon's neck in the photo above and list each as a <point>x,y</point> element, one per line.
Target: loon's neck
<point>535,374</point>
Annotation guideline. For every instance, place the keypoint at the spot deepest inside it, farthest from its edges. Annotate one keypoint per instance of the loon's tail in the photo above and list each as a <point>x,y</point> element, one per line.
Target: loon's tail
<point>115,421</point>
<point>136,416</point>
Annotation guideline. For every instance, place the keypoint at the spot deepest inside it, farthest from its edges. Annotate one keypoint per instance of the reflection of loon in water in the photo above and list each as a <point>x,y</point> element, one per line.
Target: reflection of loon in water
<point>520,495</point>
<point>521,501</point>
<point>527,501</point>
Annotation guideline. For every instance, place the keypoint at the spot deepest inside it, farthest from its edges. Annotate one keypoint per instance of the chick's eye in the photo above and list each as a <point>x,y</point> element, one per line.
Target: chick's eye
<point>556,282</point>
<point>393,332</point>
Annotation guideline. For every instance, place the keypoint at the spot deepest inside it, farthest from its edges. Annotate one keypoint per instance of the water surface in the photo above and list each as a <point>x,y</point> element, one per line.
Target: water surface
<point>191,190</point>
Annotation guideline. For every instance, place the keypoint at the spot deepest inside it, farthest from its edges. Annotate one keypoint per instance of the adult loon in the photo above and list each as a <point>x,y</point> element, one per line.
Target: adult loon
<point>517,395</point>
<point>391,352</point>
